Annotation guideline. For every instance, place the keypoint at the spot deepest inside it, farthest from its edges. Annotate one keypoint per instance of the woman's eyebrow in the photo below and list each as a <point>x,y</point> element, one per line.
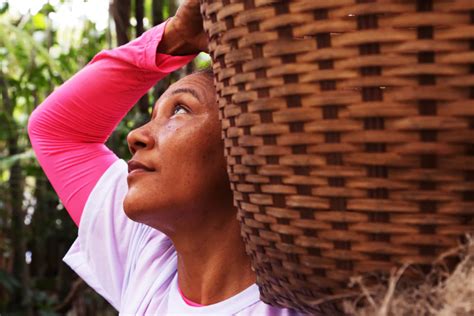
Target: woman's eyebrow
<point>187,90</point>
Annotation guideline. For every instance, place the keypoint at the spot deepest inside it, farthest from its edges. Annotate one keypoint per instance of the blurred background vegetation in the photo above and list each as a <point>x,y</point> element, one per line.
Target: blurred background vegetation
<point>43,43</point>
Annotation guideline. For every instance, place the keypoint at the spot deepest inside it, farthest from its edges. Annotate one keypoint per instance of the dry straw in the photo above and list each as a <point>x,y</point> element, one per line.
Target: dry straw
<point>443,293</point>
<point>349,136</point>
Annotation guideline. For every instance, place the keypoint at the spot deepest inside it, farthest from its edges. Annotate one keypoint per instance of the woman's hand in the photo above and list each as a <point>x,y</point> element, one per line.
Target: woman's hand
<point>184,34</point>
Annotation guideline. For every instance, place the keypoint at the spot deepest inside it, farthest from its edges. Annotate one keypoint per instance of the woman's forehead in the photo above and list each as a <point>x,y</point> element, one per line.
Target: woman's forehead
<point>200,85</point>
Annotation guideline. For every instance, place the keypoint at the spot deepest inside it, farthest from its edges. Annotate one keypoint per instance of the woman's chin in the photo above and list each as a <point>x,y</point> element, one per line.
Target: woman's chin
<point>131,207</point>
<point>139,208</point>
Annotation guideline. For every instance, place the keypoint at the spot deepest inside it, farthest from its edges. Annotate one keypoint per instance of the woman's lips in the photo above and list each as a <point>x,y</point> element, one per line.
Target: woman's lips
<point>135,166</point>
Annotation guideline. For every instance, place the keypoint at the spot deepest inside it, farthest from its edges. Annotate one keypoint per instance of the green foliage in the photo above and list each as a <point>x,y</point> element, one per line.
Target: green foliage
<point>36,57</point>
<point>33,62</point>
<point>8,161</point>
<point>203,61</point>
<point>8,282</point>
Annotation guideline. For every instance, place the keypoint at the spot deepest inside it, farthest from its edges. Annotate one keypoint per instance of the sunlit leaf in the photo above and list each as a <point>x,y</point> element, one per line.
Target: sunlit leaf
<point>25,43</point>
<point>39,21</point>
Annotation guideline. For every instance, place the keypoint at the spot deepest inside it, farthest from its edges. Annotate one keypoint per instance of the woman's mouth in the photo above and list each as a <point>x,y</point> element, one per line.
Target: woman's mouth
<point>135,166</point>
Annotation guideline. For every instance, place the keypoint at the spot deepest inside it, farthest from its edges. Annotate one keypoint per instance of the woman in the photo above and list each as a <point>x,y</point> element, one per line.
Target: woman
<point>158,236</point>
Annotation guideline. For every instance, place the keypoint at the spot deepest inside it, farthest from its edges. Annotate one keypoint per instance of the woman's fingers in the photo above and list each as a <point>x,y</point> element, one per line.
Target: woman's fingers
<point>184,33</point>
<point>188,22</point>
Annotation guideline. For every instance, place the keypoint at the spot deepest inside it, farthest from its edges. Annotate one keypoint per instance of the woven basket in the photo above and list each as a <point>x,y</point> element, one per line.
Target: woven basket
<point>349,135</point>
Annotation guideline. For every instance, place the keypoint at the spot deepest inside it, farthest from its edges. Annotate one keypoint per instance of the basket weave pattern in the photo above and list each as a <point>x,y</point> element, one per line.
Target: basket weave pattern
<point>349,135</point>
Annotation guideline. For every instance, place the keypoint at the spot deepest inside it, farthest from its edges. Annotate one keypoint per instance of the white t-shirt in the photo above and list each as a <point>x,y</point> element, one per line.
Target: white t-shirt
<point>134,266</point>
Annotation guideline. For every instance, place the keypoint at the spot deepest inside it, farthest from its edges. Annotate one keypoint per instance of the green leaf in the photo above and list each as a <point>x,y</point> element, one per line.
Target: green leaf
<point>9,161</point>
<point>3,7</point>
<point>20,42</point>
<point>39,21</point>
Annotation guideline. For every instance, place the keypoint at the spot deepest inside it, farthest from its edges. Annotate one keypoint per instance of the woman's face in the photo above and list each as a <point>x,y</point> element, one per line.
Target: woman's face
<point>177,173</point>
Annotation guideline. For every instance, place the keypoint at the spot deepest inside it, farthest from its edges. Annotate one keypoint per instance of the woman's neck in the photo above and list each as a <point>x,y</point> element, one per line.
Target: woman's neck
<point>212,263</point>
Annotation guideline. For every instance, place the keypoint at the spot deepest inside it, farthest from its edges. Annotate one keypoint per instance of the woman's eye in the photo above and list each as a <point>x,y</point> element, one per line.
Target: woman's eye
<point>178,109</point>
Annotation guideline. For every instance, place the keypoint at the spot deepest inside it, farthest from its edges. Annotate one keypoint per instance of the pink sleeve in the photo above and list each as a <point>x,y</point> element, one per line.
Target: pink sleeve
<point>69,129</point>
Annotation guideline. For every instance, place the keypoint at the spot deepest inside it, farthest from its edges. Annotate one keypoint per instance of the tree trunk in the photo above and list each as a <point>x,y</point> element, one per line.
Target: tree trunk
<point>120,10</point>
<point>157,11</point>
<point>139,15</point>
<point>37,226</point>
<point>143,103</point>
<point>173,5</point>
<point>158,17</point>
<point>17,236</point>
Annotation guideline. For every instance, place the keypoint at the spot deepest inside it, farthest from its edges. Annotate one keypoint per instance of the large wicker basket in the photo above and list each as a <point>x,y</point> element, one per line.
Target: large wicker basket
<point>349,135</point>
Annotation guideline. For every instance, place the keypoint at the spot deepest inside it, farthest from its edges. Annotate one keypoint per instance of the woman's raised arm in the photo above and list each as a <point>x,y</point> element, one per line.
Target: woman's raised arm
<point>69,129</point>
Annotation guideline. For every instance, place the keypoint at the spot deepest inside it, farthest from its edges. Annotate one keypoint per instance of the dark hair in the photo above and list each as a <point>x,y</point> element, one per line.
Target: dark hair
<point>206,71</point>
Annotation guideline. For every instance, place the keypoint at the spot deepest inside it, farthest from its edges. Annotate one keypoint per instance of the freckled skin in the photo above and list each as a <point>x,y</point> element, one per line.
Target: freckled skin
<point>188,196</point>
<point>190,183</point>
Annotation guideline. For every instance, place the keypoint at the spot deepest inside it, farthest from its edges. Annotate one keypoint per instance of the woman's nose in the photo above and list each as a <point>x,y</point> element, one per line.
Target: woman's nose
<point>140,138</point>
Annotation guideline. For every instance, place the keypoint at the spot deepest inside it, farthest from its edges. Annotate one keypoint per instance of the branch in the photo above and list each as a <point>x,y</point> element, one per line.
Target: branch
<point>77,286</point>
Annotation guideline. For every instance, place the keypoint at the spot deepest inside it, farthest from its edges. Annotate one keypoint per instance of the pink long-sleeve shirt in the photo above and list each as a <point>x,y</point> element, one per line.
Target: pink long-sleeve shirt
<point>131,265</point>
